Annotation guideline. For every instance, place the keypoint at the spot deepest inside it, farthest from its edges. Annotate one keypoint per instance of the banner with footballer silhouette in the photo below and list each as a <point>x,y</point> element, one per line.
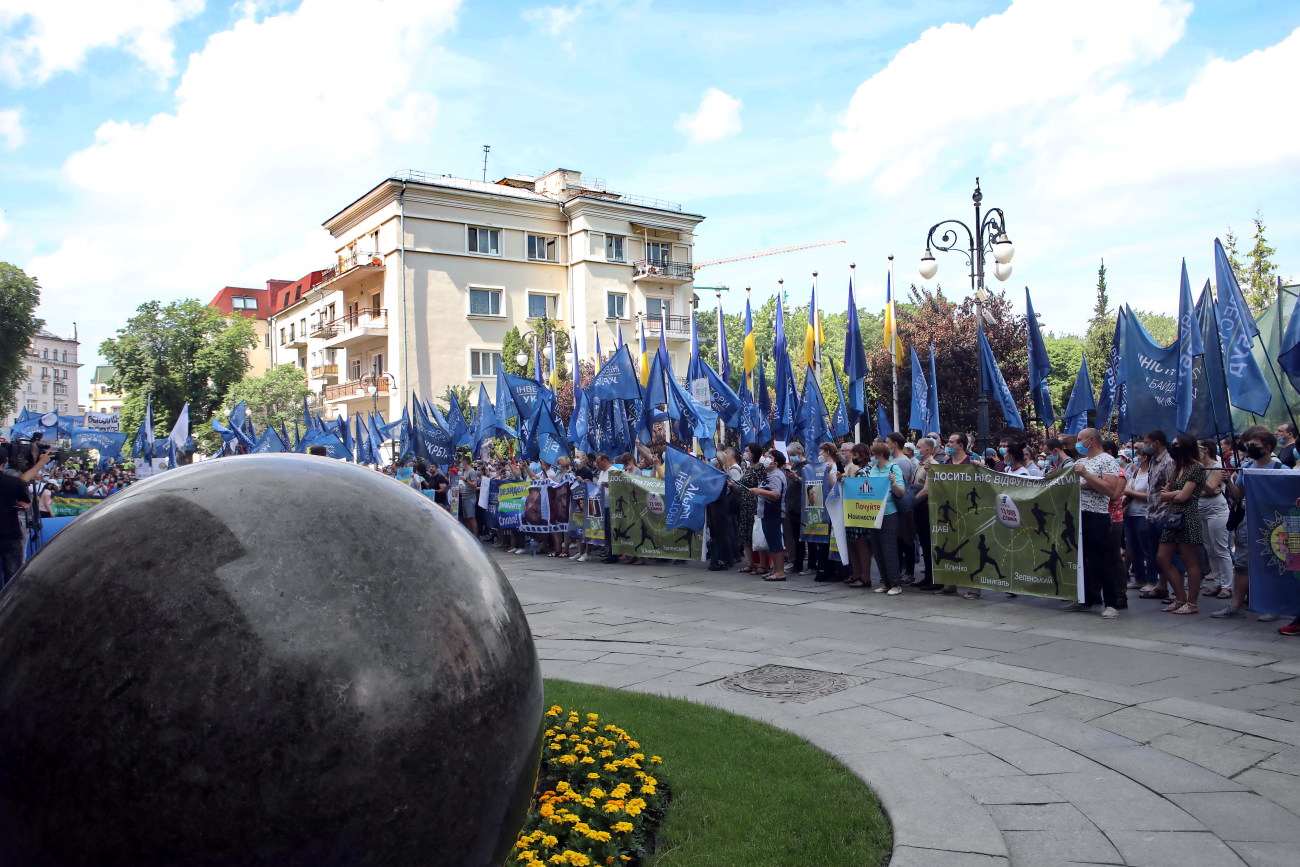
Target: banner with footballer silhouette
<point>994,531</point>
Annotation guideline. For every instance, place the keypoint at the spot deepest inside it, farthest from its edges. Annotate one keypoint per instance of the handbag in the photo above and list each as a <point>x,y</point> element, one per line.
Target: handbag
<point>1236,514</point>
<point>758,541</point>
<point>1174,521</point>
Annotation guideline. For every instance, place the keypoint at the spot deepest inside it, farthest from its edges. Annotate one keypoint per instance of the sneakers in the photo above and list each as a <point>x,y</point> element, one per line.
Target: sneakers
<point>1268,618</point>
<point>1289,629</point>
<point>881,589</point>
<point>1076,606</point>
<point>894,591</point>
<point>1109,613</point>
<point>581,558</point>
<point>1227,611</point>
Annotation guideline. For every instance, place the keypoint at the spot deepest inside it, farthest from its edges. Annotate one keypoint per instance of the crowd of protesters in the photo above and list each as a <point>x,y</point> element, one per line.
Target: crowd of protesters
<point>1162,519</point>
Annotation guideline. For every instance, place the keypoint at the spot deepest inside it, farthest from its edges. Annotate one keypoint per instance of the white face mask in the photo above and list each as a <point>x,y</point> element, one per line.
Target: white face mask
<point>765,461</point>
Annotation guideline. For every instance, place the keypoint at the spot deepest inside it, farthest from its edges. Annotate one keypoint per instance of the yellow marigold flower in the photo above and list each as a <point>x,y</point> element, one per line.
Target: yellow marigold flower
<point>654,760</point>
<point>611,766</point>
<point>546,811</point>
<point>589,803</point>
<point>522,843</point>
<point>613,806</point>
<point>599,836</point>
<point>640,757</point>
<point>577,859</point>
<point>647,790</point>
<point>526,856</point>
<point>555,710</point>
<point>593,716</point>
<point>622,827</point>
<point>582,827</point>
<point>597,792</point>
<point>634,745</point>
<point>561,786</point>
<point>593,776</point>
<point>549,841</point>
<point>604,754</point>
<point>588,760</point>
<point>567,759</point>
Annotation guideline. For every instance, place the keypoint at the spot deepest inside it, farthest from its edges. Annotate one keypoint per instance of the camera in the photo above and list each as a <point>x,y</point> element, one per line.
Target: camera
<point>24,452</point>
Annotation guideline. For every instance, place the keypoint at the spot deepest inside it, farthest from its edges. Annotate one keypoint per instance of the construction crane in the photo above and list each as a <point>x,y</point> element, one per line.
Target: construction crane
<point>775,251</point>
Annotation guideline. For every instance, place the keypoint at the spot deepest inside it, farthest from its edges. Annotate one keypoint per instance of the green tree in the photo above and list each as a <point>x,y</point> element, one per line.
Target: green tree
<point>180,352</point>
<point>1260,285</point>
<point>19,297</point>
<point>1162,327</point>
<point>273,399</point>
<point>511,345</point>
<point>1234,257</point>
<point>1101,330</point>
<point>1065,352</point>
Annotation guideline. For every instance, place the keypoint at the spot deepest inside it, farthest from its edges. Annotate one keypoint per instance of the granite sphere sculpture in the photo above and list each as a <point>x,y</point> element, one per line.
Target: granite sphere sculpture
<point>265,660</point>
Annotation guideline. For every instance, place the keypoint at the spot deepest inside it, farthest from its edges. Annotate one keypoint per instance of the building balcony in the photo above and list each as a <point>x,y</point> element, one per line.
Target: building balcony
<point>328,372</point>
<point>295,340</point>
<point>672,327</point>
<point>355,327</point>
<point>349,271</point>
<point>663,272</point>
<point>322,330</point>
<point>355,389</point>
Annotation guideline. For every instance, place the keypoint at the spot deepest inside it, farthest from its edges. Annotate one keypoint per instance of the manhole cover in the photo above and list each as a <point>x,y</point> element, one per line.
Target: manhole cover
<point>789,684</point>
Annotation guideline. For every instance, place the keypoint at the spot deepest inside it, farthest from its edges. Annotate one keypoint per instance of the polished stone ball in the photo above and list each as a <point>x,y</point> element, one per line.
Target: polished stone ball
<point>265,660</point>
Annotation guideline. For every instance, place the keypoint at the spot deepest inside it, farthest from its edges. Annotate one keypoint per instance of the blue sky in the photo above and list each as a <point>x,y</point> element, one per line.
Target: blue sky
<point>156,149</point>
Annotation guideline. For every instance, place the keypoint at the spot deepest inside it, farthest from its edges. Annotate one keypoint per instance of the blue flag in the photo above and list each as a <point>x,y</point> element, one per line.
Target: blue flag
<point>1150,377</point>
<point>458,426</point>
<point>786,409</point>
<point>269,442</point>
<point>1076,414</point>
<point>1040,366</point>
<point>813,427</point>
<point>1190,348</point>
<point>1288,357</point>
<point>764,402</point>
<point>724,355</point>
<point>882,422</point>
<point>934,395</point>
<point>918,418</point>
<point>725,402</point>
<point>839,425</point>
<point>1271,517</point>
<point>991,380</point>
<point>1112,383</point>
<point>689,486</point>
<point>434,442</point>
<point>333,445</point>
<point>1247,387</point>
<point>855,362</point>
<point>617,378</point>
<point>108,444</point>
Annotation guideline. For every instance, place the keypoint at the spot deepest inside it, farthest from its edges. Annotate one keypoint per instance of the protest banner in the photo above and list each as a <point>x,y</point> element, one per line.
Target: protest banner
<point>594,525</point>
<point>109,422</point>
<point>1273,536</point>
<point>814,523</point>
<point>1013,533</point>
<point>546,509</point>
<point>577,509</point>
<point>69,507</point>
<point>864,501</point>
<point>509,505</point>
<point>638,523</point>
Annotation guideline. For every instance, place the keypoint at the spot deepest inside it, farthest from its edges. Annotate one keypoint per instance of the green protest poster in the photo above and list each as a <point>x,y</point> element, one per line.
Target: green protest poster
<point>638,523</point>
<point>594,524</point>
<point>996,531</point>
<point>511,497</point>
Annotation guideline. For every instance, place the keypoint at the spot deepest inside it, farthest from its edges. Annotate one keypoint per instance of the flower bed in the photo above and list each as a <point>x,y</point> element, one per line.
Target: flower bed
<point>596,805</point>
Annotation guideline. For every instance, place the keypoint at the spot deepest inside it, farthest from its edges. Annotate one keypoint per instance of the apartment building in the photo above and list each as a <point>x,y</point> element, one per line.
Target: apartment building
<point>431,272</point>
<point>260,305</point>
<point>50,383</point>
<point>102,398</point>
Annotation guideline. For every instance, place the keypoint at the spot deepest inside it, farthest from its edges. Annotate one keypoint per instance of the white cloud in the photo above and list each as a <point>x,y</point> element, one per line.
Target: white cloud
<point>555,20</point>
<point>4,226</point>
<point>277,124</point>
<point>12,134</point>
<point>39,38</point>
<point>717,118</point>
<point>972,87</point>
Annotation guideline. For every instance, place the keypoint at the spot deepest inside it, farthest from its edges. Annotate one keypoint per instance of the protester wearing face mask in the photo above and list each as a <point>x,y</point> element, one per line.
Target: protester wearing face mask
<point>1182,534</point>
<point>858,537</point>
<point>1259,444</point>
<point>1099,483</point>
<point>1159,469</point>
<point>921,511</point>
<point>958,443</point>
<point>751,478</point>
<point>1286,444</point>
<point>1137,540</point>
<point>771,494</point>
<point>884,539</point>
<point>1060,453</point>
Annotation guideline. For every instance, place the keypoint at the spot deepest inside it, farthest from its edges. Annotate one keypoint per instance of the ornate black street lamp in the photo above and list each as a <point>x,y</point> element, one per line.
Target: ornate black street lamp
<point>989,236</point>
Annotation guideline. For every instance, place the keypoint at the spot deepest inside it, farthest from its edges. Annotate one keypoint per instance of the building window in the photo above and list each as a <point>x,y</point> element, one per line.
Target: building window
<point>65,355</point>
<point>243,302</point>
<point>31,405</point>
<point>541,248</point>
<point>484,362</point>
<point>485,241</point>
<point>658,306</point>
<point>291,339</point>
<point>282,337</point>
<point>377,362</point>
<point>302,326</point>
<point>540,305</point>
<point>485,302</point>
<point>659,252</point>
<point>616,305</point>
<point>356,368</point>
<point>614,248</point>
<point>45,373</point>
<point>45,388</point>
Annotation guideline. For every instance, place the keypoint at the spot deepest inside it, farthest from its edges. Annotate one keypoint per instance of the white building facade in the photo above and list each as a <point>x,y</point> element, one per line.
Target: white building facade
<point>432,272</point>
<point>50,384</point>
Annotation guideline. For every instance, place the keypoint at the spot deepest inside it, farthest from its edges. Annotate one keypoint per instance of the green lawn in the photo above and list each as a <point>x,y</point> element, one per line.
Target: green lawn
<point>743,792</point>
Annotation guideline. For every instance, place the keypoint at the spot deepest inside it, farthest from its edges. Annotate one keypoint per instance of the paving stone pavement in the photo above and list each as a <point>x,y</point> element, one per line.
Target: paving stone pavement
<point>996,731</point>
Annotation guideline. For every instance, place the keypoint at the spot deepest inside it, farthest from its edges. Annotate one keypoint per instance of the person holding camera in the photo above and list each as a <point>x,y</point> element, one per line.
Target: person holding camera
<point>15,505</point>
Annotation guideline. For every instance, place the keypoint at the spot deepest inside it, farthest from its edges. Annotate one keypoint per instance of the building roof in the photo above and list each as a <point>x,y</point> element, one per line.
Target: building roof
<point>103,373</point>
